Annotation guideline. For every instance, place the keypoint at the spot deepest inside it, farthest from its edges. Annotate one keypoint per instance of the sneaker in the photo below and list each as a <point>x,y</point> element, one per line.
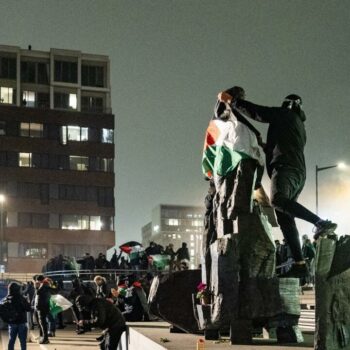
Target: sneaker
<point>322,226</point>
<point>296,271</point>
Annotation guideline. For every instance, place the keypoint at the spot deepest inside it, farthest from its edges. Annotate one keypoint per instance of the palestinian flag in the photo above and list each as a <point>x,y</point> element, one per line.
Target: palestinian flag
<point>58,303</point>
<point>133,249</point>
<point>219,157</point>
<point>160,261</point>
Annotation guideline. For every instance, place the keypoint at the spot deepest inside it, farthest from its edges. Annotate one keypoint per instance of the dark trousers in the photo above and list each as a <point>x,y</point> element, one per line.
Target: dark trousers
<point>286,186</point>
<point>51,323</point>
<point>20,330</point>
<point>112,338</point>
<point>42,319</point>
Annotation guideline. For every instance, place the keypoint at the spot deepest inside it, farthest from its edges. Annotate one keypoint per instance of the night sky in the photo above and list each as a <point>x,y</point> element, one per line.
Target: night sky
<point>169,59</point>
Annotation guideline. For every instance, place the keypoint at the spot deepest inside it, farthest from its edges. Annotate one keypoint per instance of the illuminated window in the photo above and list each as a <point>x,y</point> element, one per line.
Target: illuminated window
<point>172,222</point>
<point>75,133</point>
<point>179,236</point>
<point>6,95</point>
<point>192,237</point>
<point>32,129</point>
<point>107,136</point>
<point>192,244</point>
<point>25,159</point>
<point>192,252</point>
<point>32,250</point>
<point>189,215</point>
<point>65,100</point>
<point>74,222</point>
<point>78,163</point>
<point>174,236</point>
<point>197,223</point>
<point>73,101</point>
<point>95,223</point>
<point>28,98</point>
<point>156,228</point>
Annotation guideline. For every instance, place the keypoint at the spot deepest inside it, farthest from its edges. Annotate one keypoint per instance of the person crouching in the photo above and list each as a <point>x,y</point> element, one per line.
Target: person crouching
<point>104,315</point>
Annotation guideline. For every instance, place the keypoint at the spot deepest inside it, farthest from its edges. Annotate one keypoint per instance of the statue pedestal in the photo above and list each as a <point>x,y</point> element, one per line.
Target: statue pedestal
<point>332,331</point>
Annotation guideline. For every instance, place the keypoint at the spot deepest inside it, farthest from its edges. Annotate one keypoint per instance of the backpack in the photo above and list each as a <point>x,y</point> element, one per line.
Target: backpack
<point>8,312</point>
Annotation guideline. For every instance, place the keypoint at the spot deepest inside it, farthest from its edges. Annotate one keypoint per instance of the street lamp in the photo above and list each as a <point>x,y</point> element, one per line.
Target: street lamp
<point>318,169</point>
<point>2,201</point>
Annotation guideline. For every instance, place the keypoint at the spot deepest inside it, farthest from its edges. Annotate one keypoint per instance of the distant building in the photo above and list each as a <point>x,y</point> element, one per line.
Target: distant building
<point>146,234</point>
<point>56,156</point>
<point>176,224</point>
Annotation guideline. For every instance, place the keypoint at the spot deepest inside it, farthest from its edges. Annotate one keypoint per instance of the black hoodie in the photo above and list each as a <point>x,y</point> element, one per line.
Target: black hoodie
<point>19,302</point>
<point>286,136</point>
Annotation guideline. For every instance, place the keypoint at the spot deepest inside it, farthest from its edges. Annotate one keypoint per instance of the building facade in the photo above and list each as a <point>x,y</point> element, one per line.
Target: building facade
<point>177,224</point>
<point>56,156</point>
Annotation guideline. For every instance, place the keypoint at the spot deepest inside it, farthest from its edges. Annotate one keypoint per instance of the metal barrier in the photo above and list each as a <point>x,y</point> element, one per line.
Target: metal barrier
<point>109,274</point>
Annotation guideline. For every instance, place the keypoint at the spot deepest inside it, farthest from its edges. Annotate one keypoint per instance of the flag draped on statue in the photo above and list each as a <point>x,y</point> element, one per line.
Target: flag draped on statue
<point>58,303</point>
<point>219,156</point>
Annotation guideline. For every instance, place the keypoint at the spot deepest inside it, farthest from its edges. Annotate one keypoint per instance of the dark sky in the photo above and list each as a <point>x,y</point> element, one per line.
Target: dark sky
<point>169,59</point>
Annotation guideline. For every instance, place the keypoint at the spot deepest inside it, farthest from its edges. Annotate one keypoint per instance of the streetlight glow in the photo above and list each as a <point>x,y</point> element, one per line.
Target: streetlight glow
<point>2,198</point>
<point>340,165</point>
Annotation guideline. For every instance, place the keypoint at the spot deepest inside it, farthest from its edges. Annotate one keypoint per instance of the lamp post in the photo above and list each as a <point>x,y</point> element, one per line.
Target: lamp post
<point>2,200</point>
<point>318,169</point>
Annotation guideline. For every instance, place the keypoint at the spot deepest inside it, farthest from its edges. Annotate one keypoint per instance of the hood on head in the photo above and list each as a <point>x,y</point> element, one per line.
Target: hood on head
<point>14,289</point>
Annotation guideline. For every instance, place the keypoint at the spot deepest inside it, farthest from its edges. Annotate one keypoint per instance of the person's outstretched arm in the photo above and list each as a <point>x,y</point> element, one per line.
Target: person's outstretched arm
<point>259,113</point>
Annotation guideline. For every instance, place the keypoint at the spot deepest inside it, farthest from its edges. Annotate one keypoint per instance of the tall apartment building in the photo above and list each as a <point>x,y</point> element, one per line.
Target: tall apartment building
<point>56,156</point>
<point>176,224</point>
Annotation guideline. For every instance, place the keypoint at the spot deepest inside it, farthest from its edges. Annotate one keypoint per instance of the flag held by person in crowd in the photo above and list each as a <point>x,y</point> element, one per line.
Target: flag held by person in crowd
<point>132,248</point>
<point>58,303</point>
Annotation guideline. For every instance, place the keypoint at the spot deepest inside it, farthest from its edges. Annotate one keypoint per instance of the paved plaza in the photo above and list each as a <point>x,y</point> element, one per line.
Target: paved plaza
<point>151,336</point>
<point>67,339</point>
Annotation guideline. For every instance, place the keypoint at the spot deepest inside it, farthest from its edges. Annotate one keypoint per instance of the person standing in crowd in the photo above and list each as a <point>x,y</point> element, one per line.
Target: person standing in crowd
<point>169,250</point>
<point>114,262</point>
<point>182,256</point>
<point>87,262</point>
<point>285,162</point>
<point>101,287</point>
<point>135,300</point>
<point>80,288</point>
<point>29,293</point>
<point>18,326</point>
<point>309,254</point>
<point>104,315</point>
<point>42,306</point>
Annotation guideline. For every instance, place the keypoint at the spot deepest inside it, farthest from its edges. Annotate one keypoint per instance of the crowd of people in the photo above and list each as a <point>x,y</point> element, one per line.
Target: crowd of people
<point>284,259</point>
<point>154,257</point>
<point>105,304</point>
